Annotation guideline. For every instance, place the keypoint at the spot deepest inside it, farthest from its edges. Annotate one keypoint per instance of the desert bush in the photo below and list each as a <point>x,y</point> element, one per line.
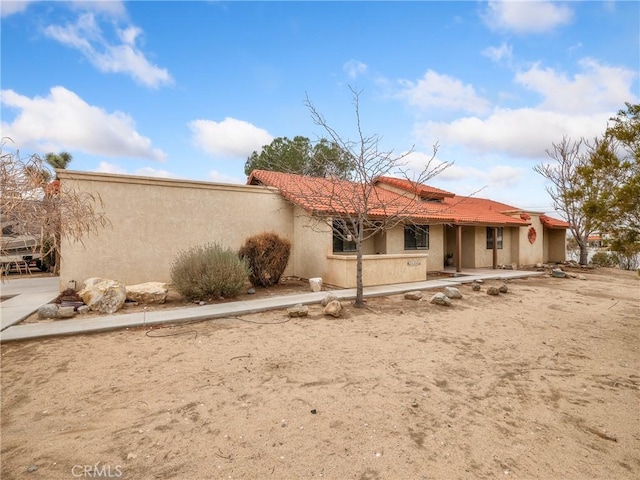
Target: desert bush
<point>209,270</point>
<point>605,259</point>
<point>267,255</point>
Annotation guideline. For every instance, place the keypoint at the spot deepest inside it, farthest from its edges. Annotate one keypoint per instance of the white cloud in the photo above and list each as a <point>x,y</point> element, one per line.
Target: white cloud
<point>106,167</point>
<point>442,91</point>
<point>64,121</point>
<point>503,52</point>
<point>232,137</point>
<point>8,7</point>
<point>220,177</point>
<point>596,88</point>
<point>86,36</point>
<point>354,68</point>
<point>526,16</point>
<point>525,132</point>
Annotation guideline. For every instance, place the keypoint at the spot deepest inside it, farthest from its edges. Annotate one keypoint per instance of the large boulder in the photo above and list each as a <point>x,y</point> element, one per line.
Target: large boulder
<point>441,299</point>
<point>452,292</point>
<point>333,308</point>
<point>103,296</point>
<point>145,293</point>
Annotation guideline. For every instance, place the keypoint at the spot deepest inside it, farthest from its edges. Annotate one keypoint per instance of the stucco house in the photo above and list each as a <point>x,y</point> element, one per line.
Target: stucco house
<point>152,219</point>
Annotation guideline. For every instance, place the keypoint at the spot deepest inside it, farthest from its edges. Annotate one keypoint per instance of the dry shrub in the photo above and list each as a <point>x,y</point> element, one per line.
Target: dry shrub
<point>207,271</point>
<point>267,255</point>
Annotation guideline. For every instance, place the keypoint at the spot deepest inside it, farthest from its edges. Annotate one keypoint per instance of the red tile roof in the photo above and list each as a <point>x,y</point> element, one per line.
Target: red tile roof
<point>424,191</point>
<point>331,196</point>
<point>551,222</point>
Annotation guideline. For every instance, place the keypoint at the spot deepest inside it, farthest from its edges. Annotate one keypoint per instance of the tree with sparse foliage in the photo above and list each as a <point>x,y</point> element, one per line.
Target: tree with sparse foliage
<point>300,156</point>
<point>585,178</point>
<point>31,205</point>
<point>358,213</point>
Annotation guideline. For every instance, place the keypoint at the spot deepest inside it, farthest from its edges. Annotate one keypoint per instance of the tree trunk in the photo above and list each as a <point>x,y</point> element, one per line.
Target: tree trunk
<point>359,302</point>
<point>584,254</point>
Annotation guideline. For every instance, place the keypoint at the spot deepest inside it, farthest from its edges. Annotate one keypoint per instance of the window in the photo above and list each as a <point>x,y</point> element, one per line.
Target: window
<point>416,237</point>
<point>340,232</point>
<point>490,238</point>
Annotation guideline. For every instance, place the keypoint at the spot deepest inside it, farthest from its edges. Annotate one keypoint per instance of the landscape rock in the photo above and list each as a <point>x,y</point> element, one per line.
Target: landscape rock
<point>581,277</point>
<point>415,295</point>
<point>66,312</point>
<point>478,280</point>
<point>333,308</point>
<point>475,287</point>
<point>50,310</point>
<point>556,272</point>
<point>503,288</point>
<point>539,265</point>
<point>298,310</point>
<point>104,296</point>
<point>53,310</point>
<point>83,309</point>
<point>441,299</point>
<point>150,292</point>
<point>330,297</point>
<point>315,284</point>
<point>493,291</point>
<point>251,291</point>
<point>452,292</point>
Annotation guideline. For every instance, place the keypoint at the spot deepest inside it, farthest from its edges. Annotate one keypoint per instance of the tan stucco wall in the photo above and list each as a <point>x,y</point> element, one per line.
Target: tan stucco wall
<point>531,253</point>
<point>152,219</point>
<point>312,243</point>
<point>555,245</point>
<point>376,269</point>
<point>484,255</point>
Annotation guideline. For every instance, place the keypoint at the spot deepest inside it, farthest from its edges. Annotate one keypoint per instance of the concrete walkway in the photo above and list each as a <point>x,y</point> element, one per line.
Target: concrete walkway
<point>21,306</point>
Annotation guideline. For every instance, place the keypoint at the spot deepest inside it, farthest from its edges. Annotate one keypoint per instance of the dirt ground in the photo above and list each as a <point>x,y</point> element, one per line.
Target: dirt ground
<point>541,382</point>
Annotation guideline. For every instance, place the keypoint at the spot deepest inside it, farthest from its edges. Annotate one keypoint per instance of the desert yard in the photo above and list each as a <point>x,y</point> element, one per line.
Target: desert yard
<point>541,382</point>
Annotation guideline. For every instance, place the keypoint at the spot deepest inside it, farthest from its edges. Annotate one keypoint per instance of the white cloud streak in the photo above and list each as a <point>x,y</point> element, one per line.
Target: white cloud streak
<point>86,36</point>
<point>64,121</point>
<point>435,90</point>
<point>524,17</point>
<point>230,137</point>
<point>354,68</point>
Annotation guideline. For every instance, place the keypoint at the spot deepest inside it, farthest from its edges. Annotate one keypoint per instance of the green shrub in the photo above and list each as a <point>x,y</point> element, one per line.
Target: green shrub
<point>209,270</point>
<point>267,255</point>
<point>605,259</point>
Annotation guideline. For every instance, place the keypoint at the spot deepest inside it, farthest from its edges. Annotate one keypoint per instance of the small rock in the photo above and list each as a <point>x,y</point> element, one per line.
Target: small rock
<point>539,265</point>
<point>581,277</point>
<point>478,280</point>
<point>556,272</point>
<point>315,284</point>
<point>50,310</point>
<point>493,291</point>
<point>415,295</point>
<point>202,302</point>
<point>333,308</point>
<point>131,456</point>
<point>475,287</point>
<point>298,310</point>
<point>83,309</point>
<point>441,299</point>
<point>251,291</point>
<point>452,292</point>
<point>330,297</point>
<point>503,288</point>
<point>32,468</point>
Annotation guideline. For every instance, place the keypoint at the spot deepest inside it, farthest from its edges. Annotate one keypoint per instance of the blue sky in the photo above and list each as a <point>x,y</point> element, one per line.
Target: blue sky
<point>190,89</point>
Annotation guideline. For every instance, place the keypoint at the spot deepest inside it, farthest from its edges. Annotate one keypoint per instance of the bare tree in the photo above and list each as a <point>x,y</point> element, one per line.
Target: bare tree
<point>31,205</point>
<point>357,210</point>
<point>580,185</point>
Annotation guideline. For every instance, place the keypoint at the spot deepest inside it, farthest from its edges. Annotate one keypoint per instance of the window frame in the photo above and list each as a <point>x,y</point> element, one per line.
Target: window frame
<point>500,243</point>
<point>413,231</point>
<point>340,245</point>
